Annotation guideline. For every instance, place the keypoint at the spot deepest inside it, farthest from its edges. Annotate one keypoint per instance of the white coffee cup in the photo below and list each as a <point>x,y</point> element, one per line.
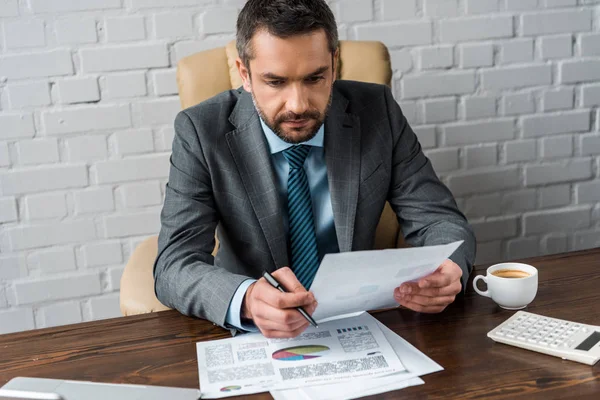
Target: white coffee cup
<point>514,292</point>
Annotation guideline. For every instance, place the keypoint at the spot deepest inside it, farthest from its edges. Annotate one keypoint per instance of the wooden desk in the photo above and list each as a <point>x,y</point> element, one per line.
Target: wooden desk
<point>159,349</point>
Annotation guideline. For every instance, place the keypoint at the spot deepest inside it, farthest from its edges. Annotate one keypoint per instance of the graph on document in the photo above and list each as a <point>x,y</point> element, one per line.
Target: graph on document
<point>298,353</point>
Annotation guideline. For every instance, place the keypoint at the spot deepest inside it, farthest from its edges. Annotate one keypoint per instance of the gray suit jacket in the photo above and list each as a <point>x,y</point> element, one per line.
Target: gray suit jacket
<point>222,178</point>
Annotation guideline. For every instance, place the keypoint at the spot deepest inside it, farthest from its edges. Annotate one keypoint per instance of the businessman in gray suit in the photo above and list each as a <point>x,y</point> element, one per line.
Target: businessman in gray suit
<point>288,168</point>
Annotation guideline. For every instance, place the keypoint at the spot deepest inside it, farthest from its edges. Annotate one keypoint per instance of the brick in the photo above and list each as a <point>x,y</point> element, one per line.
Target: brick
<point>105,307</point>
<point>588,192</point>
<point>165,138</point>
<point>36,65</point>
<point>477,107</point>
<point>550,124</point>
<point>114,275</point>
<point>586,240</point>
<point>560,46</point>
<point>567,21</point>
<point>16,320</point>
<point>4,155</point>
<point>352,11</point>
<point>426,135</point>
<point>124,57</point>
<point>590,144</point>
<point>556,221</point>
<point>45,6</point>
<point>50,234</point>
<point>72,286</point>
<point>3,301</point>
<point>173,25</point>
<point>497,228</point>
<point>59,314</point>
<point>156,112</point>
<point>86,118</point>
<point>559,99</point>
<point>522,248</point>
<point>439,110</point>
<point>559,3</point>
<point>100,254</point>
<point>481,156</point>
<point>553,244</point>
<point>519,5</point>
<point>401,60</point>
<point>517,202</point>
<point>436,57</point>
<point>133,169</point>
<point>52,260</point>
<point>8,210</point>
<point>481,6</point>
<point>440,8</point>
<point>9,8</point>
<point>94,200</point>
<point>134,141</point>
<point>220,20</point>
<point>590,95</point>
<point>16,126</point>
<point>483,206</point>
<point>394,9</point>
<point>474,55</point>
<point>165,82</point>
<point>24,33</point>
<point>477,132</point>
<point>140,194</point>
<point>86,148</point>
<point>557,147</point>
<point>79,30</point>
<point>516,51</point>
<point>438,84</point>
<point>78,90</point>
<point>29,94</point>
<point>123,85</point>
<point>397,34</point>
<point>489,252</point>
<point>37,151</point>
<point>484,181</point>
<point>590,44</point>
<point>145,223</point>
<point>47,205</point>
<point>579,71</point>
<point>411,112</point>
<point>172,3</point>
<point>558,172</point>
<point>555,196</point>
<point>32,180</point>
<point>518,103</point>
<point>443,160</point>
<point>124,29</point>
<point>13,266</point>
<point>184,48</point>
<point>516,77</point>
<point>475,28</point>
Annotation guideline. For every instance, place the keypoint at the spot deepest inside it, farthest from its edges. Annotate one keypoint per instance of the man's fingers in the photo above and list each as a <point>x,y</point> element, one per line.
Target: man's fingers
<point>447,273</point>
<point>425,301</point>
<point>414,289</point>
<point>286,277</point>
<point>270,325</point>
<point>277,299</point>
<point>420,308</point>
<point>287,316</point>
<point>271,334</point>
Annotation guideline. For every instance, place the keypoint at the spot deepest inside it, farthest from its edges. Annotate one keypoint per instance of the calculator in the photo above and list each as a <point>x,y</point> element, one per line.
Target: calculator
<point>556,337</point>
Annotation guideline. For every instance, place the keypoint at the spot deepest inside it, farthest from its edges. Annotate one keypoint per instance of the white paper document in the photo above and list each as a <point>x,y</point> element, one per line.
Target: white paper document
<point>415,362</point>
<point>337,351</point>
<point>365,280</point>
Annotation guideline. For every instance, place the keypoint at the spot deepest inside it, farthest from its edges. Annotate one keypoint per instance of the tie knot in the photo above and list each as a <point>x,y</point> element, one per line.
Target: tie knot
<point>296,155</point>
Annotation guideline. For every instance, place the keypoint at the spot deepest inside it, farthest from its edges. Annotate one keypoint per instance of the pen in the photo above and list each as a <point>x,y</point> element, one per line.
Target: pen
<point>273,282</point>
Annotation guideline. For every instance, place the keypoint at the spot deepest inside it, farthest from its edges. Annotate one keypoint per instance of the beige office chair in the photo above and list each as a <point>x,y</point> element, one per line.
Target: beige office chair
<point>203,75</point>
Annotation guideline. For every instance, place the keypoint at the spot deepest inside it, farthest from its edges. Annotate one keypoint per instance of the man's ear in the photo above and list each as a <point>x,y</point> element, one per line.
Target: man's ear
<point>244,74</point>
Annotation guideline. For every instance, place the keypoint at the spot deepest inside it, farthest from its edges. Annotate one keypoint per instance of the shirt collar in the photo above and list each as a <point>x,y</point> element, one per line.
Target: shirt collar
<point>276,144</point>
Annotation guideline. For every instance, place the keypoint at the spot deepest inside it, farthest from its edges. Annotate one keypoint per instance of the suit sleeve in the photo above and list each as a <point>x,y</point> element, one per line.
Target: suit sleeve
<point>426,210</point>
<point>185,275</point>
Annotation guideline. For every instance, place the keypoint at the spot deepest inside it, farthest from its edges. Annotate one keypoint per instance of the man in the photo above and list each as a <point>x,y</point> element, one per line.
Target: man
<point>290,167</point>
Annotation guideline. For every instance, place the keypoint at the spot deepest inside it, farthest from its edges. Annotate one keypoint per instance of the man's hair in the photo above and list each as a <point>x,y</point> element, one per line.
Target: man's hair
<point>283,18</point>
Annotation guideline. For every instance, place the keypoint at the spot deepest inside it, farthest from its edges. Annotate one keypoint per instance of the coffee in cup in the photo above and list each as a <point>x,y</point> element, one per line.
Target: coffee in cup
<point>511,285</point>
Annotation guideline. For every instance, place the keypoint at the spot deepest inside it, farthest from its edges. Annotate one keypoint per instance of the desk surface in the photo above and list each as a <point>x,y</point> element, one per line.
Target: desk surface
<point>158,348</point>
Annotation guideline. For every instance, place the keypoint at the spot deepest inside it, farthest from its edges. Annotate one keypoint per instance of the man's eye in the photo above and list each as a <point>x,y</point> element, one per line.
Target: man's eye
<point>314,79</point>
<point>275,83</point>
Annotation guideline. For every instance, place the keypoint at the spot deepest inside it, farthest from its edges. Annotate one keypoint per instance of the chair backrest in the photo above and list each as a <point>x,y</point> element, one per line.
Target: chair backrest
<point>207,73</point>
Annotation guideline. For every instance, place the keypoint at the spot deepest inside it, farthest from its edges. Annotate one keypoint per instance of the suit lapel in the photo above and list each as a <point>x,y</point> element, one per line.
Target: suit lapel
<point>342,156</point>
<point>250,151</point>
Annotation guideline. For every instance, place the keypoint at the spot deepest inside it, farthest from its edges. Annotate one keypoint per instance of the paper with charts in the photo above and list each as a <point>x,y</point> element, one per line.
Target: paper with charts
<point>337,351</point>
<point>365,280</point>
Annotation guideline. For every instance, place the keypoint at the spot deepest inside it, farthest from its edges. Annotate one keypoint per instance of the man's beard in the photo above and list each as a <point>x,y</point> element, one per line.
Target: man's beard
<point>276,125</point>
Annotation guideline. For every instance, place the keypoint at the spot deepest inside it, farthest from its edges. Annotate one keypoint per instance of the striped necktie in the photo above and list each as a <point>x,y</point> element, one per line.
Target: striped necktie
<point>303,240</point>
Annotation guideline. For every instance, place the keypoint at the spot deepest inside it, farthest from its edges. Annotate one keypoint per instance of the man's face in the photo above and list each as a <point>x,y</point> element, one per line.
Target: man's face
<point>291,82</point>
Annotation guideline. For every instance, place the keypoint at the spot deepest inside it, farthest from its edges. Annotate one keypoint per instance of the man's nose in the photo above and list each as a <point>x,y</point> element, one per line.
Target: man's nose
<point>297,101</point>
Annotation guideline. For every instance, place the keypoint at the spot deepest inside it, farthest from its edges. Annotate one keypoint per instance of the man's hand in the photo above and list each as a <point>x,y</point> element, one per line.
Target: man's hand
<point>274,312</point>
<point>433,293</point>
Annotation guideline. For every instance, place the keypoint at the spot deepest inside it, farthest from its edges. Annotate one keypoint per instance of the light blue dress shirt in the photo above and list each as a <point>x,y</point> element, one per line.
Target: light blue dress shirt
<point>316,173</point>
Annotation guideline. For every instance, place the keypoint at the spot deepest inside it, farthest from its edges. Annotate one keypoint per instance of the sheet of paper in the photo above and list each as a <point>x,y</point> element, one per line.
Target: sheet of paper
<point>337,351</point>
<point>415,362</point>
<point>365,280</point>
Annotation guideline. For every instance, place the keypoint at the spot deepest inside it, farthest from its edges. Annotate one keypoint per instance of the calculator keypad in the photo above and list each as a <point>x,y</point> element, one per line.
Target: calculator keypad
<point>540,330</point>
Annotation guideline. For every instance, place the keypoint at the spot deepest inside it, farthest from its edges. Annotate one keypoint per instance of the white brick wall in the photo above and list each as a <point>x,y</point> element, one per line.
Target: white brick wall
<point>504,96</point>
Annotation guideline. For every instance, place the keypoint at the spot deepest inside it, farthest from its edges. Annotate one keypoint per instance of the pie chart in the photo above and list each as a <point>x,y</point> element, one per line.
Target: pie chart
<point>300,353</point>
<point>230,388</point>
